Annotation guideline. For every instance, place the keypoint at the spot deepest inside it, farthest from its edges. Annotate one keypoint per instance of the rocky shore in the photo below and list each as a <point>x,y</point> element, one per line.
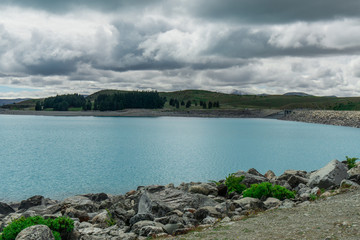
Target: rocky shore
<point>162,211</point>
<point>339,118</point>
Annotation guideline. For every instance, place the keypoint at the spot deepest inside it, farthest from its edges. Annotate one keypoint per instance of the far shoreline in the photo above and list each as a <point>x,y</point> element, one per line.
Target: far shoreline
<point>326,117</point>
<point>246,113</point>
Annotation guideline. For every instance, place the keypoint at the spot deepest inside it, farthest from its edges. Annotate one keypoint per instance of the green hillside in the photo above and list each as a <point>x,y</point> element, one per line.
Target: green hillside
<point>232,101</point>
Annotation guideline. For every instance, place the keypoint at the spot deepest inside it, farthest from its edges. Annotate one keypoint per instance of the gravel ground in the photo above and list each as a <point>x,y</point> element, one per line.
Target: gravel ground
<point>337,217</point>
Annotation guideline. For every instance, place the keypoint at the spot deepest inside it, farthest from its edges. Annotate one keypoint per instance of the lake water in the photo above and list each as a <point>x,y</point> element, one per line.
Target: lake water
<point>62,156</point>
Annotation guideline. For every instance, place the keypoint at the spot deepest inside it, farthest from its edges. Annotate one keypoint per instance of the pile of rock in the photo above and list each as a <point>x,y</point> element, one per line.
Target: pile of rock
<point>339,118</point>
<point>169,210</point>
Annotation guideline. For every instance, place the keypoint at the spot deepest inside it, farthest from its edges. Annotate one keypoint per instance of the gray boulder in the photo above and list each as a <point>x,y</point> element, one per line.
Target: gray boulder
<point>355,178</point>
<point>271,203</point>
<point>142,227</point>
<point>295,180</point>
<point>253,171</point>
<point>32,202</point>
<point>249,203</point>
<point>270,175</point>
<point>204,212</point>
<point>80,203</point>
<point>74,213</point>
<point>172,228</point>
<point>141,217</point>
<point>159,201</point>
<point>250,178</point>
<point>204,188</point>
<point>329,176</point>
<point>354,171</point>
<point>349,184</point>
<point>5,209</point>
<point>37,232</point>
<point>97,197</point>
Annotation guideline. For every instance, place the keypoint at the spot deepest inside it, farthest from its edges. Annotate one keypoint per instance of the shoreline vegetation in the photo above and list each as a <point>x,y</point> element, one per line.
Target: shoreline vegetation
<point>167,210</point>
<point>331,110</point>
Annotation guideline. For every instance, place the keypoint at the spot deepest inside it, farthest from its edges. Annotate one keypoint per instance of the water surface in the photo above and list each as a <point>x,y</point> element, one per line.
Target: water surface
<point>63,156</point>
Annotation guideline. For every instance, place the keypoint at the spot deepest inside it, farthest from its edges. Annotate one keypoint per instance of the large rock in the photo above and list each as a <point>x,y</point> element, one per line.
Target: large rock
<point>250,178</point>
<point>159,201</point>
<point>249,203</point>
<point>329,176</point>
<point>355,178</point>
<point>31,202</point>
<point>222,190</point>
<point>144,227</point>
<point>270,175</point>
<point>272,203</point>
<point>74,213</point>
<point>253,171</point>
<point>204,188</point>
<point>5,209</point>
<point>295,180</point>
<point>37,232</point>
<point>97,197</point>
<point>204,212</point>
<point>354,171</point>
<point>80,203</point>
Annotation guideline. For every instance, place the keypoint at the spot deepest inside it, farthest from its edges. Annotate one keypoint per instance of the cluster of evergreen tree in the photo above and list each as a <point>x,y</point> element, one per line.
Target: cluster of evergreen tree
<point>176,103</point>
<point>210,104</point>
<point>119,101</point>
<point>61,102</point>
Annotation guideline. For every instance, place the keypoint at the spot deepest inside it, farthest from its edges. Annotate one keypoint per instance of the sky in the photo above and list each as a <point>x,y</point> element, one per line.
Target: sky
<point>255,46</point>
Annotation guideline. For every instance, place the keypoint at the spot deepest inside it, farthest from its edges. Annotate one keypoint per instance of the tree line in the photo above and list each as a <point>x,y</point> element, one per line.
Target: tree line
<point>61,102</point>
<point>176,103</point>
<point>119,101</point>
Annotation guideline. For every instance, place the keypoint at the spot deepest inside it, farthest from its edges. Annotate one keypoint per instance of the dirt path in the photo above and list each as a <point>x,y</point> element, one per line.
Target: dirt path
<point>337,217</point>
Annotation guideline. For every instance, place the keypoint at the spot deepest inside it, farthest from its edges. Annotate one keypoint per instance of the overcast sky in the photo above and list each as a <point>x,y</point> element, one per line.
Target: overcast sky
<point>258,46</point>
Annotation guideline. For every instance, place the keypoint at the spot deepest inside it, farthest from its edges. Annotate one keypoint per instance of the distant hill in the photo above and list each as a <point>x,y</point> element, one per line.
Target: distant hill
<point>11,101</point>
<point>292,100</point>
<point>302,94</point>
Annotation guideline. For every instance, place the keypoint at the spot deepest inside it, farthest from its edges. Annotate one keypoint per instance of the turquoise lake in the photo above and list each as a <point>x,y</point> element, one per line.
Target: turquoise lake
<point>62,156</point>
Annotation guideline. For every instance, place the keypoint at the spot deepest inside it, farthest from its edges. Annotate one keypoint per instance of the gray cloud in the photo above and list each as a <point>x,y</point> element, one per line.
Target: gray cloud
<point>275,11</point>
<point>258,46</point>
<point>69,5</point>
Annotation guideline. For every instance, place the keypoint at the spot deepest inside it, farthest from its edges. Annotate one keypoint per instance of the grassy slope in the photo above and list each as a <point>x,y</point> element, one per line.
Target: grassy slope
<point>231,101</point>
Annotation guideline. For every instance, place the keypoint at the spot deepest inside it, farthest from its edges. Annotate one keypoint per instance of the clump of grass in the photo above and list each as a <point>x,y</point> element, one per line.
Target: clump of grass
<point>110,221</point>
<point>351,162</point>
<point>234,184</point>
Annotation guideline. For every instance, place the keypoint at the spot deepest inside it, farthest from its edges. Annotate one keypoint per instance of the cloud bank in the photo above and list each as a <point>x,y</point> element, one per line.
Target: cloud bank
<point>275,46</point>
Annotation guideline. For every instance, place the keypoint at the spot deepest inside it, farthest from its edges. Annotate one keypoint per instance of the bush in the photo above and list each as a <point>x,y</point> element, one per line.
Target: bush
<point>60,226</point>
<point>234,184</point>
<point>266,189</point>
<point>351,162</point>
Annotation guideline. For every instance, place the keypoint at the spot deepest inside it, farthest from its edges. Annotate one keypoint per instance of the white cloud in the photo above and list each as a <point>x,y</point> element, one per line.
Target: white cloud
<point>168,47</point>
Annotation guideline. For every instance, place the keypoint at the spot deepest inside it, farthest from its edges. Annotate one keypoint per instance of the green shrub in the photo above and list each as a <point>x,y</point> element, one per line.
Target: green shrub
<point>62,225</point>
<point>58,226</point>
<point>351,162</point>
<point>266,189</point>
<point>313,197</point>
<point>234,184</point>
<point>281,193</point>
